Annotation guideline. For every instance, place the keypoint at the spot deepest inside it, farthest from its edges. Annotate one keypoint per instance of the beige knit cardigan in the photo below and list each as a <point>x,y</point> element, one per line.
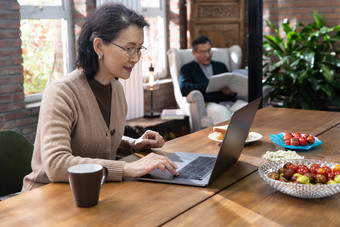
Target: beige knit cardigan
<point>71,130</point>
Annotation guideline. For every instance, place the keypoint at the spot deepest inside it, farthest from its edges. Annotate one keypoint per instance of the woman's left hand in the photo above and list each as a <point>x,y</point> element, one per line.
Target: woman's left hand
<point>150,139</point>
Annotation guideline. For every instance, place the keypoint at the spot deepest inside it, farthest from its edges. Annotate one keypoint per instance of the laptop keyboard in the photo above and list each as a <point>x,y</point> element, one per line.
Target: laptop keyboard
<point>198,168</point>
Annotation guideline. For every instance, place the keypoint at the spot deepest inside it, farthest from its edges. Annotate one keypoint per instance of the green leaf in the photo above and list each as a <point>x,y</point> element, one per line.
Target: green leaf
<point>286,26</point>
<point>327,73</point>
<point>319,20</point>
<point>303,77</point>
<point>269,24</point>
<point>274,43</point>
<point>332,60</point>
<point>336,84</point>
<point>327,89</point>
<point>307,29</point>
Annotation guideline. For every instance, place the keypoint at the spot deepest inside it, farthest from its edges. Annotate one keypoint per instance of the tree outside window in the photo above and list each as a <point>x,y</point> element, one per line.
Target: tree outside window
<point>45,35</point>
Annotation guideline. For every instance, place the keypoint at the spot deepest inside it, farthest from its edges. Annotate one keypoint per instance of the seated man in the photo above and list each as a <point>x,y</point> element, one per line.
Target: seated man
<point>195,76</point>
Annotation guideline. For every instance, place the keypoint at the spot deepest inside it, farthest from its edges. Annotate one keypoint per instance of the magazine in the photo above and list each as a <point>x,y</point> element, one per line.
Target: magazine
<point>172,114</point>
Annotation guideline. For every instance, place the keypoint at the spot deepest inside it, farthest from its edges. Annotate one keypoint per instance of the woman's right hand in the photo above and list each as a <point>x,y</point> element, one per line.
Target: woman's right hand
<point>148,163</point>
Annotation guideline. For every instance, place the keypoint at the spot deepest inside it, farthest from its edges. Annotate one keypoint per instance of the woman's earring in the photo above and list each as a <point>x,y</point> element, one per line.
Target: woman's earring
<point>99,57</point>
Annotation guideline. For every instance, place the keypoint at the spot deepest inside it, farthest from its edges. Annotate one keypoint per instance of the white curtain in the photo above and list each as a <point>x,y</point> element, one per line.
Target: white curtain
<point>133,87</point>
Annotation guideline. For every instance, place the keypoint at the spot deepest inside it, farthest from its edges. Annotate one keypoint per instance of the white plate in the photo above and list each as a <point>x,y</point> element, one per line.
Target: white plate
<point>253,136</point>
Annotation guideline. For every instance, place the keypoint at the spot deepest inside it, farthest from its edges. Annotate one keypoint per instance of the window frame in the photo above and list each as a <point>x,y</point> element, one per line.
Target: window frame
<point>62,11</point>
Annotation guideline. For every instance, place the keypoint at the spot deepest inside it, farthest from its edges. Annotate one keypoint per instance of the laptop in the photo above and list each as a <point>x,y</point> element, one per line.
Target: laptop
<point>209,167</point>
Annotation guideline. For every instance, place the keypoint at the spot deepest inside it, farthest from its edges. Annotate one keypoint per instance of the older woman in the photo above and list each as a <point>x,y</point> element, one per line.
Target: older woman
<point>82,116</point>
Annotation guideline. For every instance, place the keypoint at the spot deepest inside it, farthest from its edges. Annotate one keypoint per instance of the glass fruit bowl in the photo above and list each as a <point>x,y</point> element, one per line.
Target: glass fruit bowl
<point>298,190</point>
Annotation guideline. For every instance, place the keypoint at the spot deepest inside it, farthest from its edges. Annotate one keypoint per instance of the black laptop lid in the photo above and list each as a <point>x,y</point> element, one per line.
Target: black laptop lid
<point>235,137</point>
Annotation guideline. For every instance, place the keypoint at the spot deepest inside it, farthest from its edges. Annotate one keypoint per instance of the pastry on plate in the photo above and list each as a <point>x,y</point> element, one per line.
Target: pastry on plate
<point>219,131</point>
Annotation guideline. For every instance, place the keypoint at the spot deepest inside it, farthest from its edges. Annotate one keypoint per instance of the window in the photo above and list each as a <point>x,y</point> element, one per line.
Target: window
<point>46,43</point>
<point>155,37</point>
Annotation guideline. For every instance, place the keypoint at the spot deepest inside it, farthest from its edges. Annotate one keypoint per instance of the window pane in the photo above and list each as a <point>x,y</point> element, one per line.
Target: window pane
<point>154,41</point>
<point>150,4</point>
<point>40,2</point>
<point>42,52</point>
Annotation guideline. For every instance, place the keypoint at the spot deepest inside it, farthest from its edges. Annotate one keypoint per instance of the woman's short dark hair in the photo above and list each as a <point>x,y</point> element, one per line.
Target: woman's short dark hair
<point>106,22</point>
<point>200,40</point>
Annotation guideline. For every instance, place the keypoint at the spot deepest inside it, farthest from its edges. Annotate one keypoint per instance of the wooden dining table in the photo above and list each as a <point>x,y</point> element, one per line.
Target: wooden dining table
<point>237,198</point>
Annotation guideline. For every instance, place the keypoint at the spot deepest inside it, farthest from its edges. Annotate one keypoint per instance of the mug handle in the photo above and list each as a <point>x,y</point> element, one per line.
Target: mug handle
<point>105,173</point>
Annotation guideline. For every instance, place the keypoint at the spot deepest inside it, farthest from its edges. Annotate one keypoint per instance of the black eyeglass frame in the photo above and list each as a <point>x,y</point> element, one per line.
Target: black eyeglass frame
<point>131,51</point>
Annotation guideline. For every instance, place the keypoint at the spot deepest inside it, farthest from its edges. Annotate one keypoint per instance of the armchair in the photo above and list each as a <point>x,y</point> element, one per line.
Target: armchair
<point>193,105</point>
<point>15,162</point>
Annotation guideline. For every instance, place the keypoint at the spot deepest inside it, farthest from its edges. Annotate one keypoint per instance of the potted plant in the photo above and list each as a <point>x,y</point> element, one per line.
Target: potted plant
<point>301,69</point>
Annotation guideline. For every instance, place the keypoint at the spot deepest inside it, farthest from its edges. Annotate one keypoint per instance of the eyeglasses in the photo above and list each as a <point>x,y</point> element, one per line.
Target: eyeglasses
<point>204,52</point>
<point>132,51</point>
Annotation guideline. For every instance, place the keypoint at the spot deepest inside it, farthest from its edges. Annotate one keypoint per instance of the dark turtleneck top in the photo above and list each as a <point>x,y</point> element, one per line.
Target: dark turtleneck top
<point>103,95</point>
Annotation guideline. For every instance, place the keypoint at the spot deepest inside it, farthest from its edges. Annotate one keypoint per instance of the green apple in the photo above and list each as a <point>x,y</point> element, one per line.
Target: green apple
<point>295,176</point>
<point>337,178</point>
<point>303,179</point>
<point>331,182</point>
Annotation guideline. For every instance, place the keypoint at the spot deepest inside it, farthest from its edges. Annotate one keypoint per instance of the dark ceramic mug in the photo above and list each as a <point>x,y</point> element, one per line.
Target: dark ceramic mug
<point>86,181</point>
